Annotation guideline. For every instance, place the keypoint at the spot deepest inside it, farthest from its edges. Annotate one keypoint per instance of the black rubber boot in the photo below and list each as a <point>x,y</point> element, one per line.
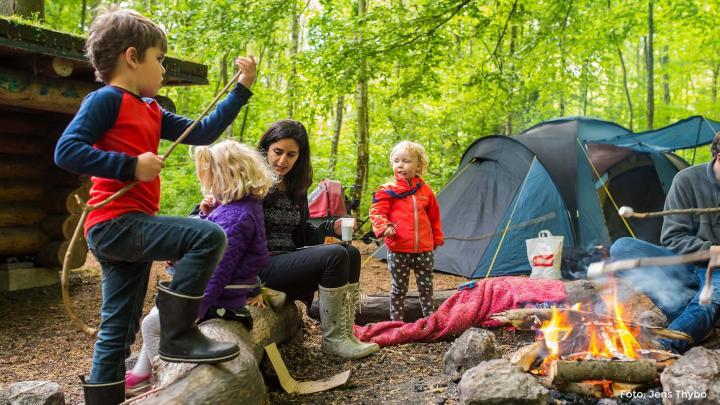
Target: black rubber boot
<point>180,339</point>
<point>103,393</point>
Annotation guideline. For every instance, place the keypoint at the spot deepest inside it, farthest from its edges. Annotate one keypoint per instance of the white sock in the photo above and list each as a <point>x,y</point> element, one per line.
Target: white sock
<point>151,342</point>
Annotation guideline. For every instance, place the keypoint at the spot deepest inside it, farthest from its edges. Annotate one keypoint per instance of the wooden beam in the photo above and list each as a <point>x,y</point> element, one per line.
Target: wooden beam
<point>20,89</point>
<point>21,191</point>
<point>20,215</point>
<point>20,168</point>
<point>21,240</point>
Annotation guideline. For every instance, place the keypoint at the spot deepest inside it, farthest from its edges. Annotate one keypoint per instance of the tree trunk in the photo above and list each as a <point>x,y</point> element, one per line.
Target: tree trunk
<point>362,125</point>
<point>563,62</point>
<point>83,14</point>
<point>650,69</point>
<point>586,86</point>
<point>336,134</point>
<point>666,75</point>
<point>625,86</point>
<point>511,87</point>
<point>294,46</point>
<point>23,8</point>
<point>716,73</point>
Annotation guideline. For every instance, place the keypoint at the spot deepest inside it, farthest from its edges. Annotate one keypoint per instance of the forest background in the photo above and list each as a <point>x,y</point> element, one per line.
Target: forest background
<point>364,74</point>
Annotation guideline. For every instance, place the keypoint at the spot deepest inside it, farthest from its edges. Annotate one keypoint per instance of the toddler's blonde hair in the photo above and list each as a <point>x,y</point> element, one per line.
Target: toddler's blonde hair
<point>230,171</point>
<point>414,149</point>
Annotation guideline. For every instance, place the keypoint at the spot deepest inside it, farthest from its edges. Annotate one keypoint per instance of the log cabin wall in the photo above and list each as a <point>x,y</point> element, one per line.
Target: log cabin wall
<point>44,76</point>
<point>38,211</point>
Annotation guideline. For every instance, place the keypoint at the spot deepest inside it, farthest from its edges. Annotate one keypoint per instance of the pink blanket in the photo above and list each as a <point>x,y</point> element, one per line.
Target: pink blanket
<point>465,309</point>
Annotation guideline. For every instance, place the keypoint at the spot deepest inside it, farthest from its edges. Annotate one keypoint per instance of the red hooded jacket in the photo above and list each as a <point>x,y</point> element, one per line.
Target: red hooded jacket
<point>410,206</point>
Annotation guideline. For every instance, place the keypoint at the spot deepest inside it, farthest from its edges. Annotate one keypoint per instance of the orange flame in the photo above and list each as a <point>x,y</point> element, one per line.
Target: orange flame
<point>609,338</point>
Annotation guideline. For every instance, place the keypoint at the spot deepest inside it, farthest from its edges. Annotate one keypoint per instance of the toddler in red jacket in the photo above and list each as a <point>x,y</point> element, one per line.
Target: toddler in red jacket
<point>407,214</point>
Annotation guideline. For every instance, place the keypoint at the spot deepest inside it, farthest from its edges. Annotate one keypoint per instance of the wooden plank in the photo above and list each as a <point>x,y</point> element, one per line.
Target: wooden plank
<point>20,89</point>
<point>19,279</point>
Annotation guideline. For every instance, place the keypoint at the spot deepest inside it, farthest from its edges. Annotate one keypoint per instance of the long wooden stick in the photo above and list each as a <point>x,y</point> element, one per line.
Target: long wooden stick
<point>598,269</point>
<point>87,208</point>
<point>628,212</point>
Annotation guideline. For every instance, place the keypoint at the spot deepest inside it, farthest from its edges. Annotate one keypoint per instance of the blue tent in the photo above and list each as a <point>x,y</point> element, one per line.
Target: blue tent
<point>567,175</point>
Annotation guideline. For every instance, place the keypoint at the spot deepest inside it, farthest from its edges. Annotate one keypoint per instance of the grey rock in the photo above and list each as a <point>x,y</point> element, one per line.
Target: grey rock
<point>693,379</point>
<point>33,393</point>
<point>472,347</point>
<point>499,382</point>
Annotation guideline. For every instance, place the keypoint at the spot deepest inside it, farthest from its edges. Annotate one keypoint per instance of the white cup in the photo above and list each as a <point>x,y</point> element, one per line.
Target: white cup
<point>347,225</point>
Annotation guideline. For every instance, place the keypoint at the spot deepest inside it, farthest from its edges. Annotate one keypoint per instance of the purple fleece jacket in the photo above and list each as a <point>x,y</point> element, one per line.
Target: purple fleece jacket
<point>246,253</point>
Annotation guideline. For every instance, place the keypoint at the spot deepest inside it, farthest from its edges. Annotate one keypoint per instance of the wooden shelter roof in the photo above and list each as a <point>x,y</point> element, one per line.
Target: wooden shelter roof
<point>25,46</point>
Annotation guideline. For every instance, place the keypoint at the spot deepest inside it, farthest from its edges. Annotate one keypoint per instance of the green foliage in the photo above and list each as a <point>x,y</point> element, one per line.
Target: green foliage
<point>442,72</point>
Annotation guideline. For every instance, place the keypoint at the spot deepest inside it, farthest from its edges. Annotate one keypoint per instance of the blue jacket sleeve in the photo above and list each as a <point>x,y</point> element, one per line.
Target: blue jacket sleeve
<point>74,151</point>
<point>240,231</point>
<point>210,127</point>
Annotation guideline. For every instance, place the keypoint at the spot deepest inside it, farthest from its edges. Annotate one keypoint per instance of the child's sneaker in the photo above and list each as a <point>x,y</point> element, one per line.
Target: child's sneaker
<point>136,385</point>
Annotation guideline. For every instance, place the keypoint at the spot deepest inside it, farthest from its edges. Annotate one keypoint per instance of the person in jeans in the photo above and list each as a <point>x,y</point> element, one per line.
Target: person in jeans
<point>115,137</point>
<point>676,289</point>
<point>334,269</point>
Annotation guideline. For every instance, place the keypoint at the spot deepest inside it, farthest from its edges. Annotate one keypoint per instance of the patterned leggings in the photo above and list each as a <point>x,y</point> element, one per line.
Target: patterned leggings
<point>400,265</point>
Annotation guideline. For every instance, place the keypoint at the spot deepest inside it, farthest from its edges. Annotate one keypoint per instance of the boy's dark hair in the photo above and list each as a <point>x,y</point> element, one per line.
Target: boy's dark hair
<point>113,31</point>
<point>300,176</point>
<point>715,145</point>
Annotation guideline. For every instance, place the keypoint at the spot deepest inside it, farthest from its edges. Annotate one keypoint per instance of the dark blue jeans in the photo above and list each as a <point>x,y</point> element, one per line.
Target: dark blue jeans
<point>126,247</point>
<point>674,289</point>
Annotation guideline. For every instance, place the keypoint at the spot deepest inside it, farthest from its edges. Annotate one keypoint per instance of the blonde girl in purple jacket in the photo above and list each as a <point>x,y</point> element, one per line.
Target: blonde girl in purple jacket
<point>234,178</point>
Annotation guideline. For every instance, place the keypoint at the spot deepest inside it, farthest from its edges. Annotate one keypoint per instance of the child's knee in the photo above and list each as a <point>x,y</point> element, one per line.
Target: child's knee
<point>215,238</point>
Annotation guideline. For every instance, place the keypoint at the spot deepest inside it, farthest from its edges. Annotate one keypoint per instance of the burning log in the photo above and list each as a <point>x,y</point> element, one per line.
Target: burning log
<point>636,371</point>
<point>598,389</point>
<point>532,318</point>
<point>529,357</point>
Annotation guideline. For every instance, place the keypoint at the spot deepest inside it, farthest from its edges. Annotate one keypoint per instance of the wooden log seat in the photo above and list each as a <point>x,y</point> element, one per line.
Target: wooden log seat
<point>238,381</point>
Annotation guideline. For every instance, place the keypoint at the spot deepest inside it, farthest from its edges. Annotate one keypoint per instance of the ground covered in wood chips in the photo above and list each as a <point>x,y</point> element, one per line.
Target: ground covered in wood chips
<point>38,342</point>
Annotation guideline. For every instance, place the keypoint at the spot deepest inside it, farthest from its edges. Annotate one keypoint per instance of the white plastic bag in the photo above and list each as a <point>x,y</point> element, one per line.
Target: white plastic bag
<point>545,255</point>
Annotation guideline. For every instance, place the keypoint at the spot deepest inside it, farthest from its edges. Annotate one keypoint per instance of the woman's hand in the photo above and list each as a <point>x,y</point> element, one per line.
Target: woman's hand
<point>256,301</point>
<point>337,226</point>
<point>207,205</point>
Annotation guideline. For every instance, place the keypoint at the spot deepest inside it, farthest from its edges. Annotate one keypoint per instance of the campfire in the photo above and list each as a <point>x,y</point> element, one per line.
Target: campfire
<point>590,349</point>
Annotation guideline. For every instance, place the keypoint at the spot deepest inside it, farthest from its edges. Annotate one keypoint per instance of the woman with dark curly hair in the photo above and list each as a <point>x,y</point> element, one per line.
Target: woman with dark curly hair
<point>332,270</point>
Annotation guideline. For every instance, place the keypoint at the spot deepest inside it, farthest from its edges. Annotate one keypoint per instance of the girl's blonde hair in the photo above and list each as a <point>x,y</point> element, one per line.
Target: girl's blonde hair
<point>414,149</point>
<point>230,171</point>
